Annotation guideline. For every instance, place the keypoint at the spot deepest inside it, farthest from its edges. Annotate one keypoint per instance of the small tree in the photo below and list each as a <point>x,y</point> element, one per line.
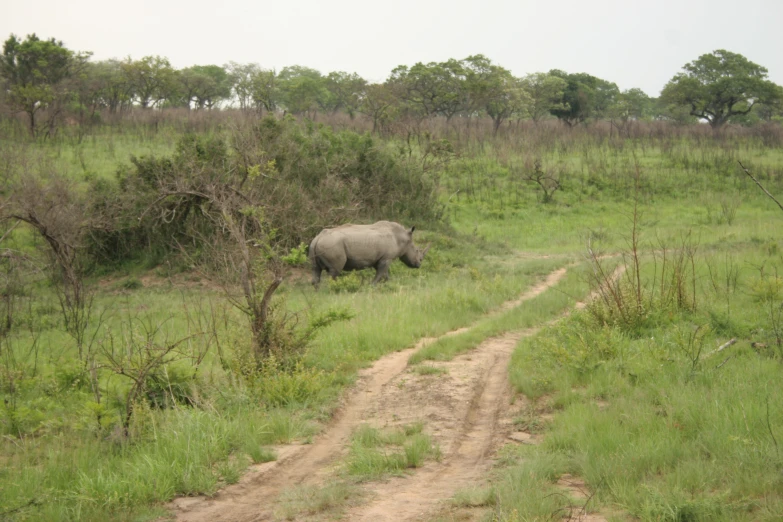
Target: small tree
<point>303,89</point>
<point>152,79</point>
<point>378,104</point>
<point>508,100</point>
<point>548,183</point>
<point>493,89</point>
<point>545,93</point>
<point>721,85</point>
<point>265,90</point>
<point>241,78</point>
<point>630,105</point>
<point>37,72</point>
<point>52,208</point>
<point>346,91</point>
<point>204,85</point>
<point>234,238</point>
<point>432,89</point>
<point>584,96</point>
<point>107,85</point>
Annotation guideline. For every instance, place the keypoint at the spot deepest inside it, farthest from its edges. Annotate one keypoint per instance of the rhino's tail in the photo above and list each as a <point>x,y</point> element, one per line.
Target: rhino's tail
<point>311,255</point>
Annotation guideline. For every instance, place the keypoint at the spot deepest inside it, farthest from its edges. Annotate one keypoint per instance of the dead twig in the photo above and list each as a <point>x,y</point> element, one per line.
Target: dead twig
<point>769,427</point>
<point>721,348</point>
<point>10,229</point>
<point>724,362</point>
<point>759,184</point>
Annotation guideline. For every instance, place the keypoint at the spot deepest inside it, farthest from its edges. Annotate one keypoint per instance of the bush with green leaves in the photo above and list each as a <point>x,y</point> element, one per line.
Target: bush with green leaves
<point>348,283</point>
<point>297,256</point>
<point>304,177</point>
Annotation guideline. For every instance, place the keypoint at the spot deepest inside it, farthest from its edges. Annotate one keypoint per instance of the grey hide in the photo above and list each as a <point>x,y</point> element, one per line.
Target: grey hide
<point>355,247</point>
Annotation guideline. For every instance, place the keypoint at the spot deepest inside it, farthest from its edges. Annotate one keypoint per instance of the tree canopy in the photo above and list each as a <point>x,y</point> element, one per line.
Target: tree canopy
<point>152,79</point>
<point>204,85</point>
<point>47,81</point>
<point>584,96</point>
<point>433,88</point>
<point>36,72</point>
<point>545,92</point>
<point>721,85</point>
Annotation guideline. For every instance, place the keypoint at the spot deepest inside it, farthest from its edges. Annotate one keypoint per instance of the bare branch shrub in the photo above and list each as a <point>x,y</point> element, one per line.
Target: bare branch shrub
<point>138,354</point>
<point>631,300</point>
<point>724,284</point>
<point>48,202</point>
<point>234,214</point>
<point>11,278</point>
<point>691,344</point>
<point>548,182</point>
<point>728,208</point>
<point>767,290</point>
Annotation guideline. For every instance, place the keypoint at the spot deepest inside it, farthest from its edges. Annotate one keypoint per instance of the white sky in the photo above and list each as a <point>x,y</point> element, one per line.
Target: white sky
<point>629,42</point>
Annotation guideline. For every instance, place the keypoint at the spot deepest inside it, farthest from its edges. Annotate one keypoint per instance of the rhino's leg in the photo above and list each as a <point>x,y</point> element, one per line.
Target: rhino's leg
<point>381,271</point>
<point>336,264</point>
<point>317,269</point>
<point>329,267</point>
<point>319,265</point>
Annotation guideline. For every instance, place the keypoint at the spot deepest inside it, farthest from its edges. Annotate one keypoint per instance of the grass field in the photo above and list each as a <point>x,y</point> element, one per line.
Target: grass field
<point>658,425</point>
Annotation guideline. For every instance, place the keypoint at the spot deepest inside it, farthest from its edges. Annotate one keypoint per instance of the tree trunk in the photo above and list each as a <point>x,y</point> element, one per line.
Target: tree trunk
<point>31,113</point>
<point>260,322</point>
<point>497,122</point>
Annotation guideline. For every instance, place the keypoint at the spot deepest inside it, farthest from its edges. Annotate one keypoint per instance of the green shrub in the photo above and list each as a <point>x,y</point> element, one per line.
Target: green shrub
<point>580,344</point>
<point>297,256</point>
<point>282,160</point>
<point>347,283</point>
<point>277,386</point>
<point>170,385</point>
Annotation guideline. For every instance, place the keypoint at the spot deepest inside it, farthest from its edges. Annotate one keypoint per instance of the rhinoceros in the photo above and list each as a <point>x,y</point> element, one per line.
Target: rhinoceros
<point>354,247</point>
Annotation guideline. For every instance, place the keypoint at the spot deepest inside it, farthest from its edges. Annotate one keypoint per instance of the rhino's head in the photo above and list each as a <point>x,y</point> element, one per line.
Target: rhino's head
<point>413,256</point>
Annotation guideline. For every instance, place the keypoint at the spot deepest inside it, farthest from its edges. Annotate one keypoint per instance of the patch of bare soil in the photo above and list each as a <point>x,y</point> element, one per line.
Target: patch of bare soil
<point>465,410</point>
<point>551,280</point>
<point>576,488</point>
<point>253,498</point>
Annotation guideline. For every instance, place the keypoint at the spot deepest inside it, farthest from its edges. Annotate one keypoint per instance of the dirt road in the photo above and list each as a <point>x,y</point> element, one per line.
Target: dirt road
<point>465,408</point>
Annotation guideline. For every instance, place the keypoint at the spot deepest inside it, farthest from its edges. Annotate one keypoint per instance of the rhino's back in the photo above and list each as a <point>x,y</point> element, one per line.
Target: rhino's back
<point>361,244</point>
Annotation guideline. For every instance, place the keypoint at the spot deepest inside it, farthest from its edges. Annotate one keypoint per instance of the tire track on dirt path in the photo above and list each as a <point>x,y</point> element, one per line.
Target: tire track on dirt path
<point>467,426</point>
<point>476,387</point>
<point>465,409</point>
<point>253,497</point>
<point>486,426</point>
<point>468,452</point>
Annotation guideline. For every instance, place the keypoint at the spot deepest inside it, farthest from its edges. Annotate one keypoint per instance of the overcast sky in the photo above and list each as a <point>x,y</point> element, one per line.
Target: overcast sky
<point>629,42</point>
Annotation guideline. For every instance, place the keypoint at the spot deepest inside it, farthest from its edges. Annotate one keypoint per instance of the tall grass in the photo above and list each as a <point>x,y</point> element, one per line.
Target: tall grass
<point>532,312</point>
<point>182,452</point>
<point>204,441</point>
<point>655,432</point>
<point>430,310</point>
<point>660,424</point>
<point>375,454</point>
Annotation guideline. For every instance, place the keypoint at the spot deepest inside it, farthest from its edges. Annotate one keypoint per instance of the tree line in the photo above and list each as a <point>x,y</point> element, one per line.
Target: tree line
<point>46,81</point>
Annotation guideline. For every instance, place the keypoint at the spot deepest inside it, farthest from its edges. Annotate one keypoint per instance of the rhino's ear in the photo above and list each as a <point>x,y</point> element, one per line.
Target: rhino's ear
<point>412,229</point>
